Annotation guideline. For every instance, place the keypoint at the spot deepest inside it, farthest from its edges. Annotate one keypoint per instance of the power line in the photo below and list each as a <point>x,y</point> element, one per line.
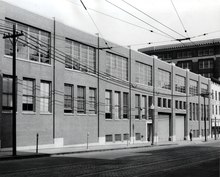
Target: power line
<point>152,18</point>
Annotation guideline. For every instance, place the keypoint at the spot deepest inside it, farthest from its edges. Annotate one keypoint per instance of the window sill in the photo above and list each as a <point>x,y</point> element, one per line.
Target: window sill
<point>69,114</point>
<point>45,113</point>
<point>29,112</point>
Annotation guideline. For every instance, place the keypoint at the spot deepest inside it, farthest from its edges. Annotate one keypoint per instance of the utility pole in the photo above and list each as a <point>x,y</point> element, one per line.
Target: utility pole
<point>54,79</point>
<point>14,93</point>
<point>129,71</point>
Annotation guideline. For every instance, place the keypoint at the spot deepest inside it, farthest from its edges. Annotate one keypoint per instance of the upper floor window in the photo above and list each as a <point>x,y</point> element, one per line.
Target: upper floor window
<point>143,74</point>
<point>137,107</point>
<point>125,105</point>
<point>205,64</point>
<point>80,56</point>
<point>117,66</point>
<point>185,64</point>
<point>117,100</point>
<point>28,96</point>
<point>164,79</point>
<point>81,99</point>
<point>180,85</point>
<point>34,45</point>
<point>108,104</point>
<point>204,88</point>
<point>205,52</point>
<point>193,87</point>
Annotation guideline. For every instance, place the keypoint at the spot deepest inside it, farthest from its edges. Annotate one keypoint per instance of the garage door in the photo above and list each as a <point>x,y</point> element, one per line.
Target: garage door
<point>163,127</point>
<point>180,127</point>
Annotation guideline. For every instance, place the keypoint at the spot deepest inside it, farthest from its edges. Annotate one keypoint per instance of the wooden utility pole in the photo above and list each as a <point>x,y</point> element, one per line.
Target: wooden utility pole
<point>14,92</point>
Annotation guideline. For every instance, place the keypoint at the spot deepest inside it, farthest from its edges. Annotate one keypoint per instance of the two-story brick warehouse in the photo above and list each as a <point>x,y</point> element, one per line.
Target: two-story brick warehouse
<point>101,95</point>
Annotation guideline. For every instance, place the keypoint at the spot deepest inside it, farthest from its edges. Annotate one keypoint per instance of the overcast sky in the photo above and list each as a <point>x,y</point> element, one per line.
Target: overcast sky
<point>197,16</point>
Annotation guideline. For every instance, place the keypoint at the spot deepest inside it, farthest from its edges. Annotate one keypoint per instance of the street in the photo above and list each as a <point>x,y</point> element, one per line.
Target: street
<point>197,160</point>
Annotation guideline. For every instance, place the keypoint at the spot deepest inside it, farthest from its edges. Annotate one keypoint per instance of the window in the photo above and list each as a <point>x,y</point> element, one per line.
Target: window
<point>143,106</point>
<point>180,105</point>
<point>7,93</point>
<point>108,104</point>
<point>28,96</point>
<point>164,79</point>
<point>81,100</point>
<point>150,102</point>
<point>180,85</point>
<point>216,110</point>
<point>216,95</point>
<point>176,105</point>
<point>45,96</point>
<point>117,137</point>
<point>194,111</point>
<point>92,100</point>
<point>117,66</point>
<point>159,102</point>
<point>213,94</point>
<point>184,105</point>
<point>36,47</point>
<point>117,110</point>
<point>125,105</point>
<point>205,64</point>
<point>202,111</point>
<point>108,138</point>
<point>190,111</point>
<point>79,56</point>
<point>193,87</point>
<point>164,102</point>
<point>68,98</point>
<point>137,107</point>
<point>169,103</point>
<point>143,74</point>
<point>204,88</point>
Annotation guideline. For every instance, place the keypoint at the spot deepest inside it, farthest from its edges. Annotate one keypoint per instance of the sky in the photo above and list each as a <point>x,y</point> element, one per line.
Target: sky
<point>126,26</point>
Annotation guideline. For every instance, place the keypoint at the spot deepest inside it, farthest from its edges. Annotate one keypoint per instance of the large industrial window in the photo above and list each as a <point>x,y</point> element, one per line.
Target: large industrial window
<point>7,93</point>
<point>34,45</point>
<point>193,87</point>
<point>180,84</point>
<point>80,56</point>
<point>108,104</point>
<point>117,66</point>
<point>68,98</point>
<point>125,105</point>
<point>143,74</point>
<point>45,96</point>
<point>28,97</point>
<point>164,79</point>
<point>81,100</point>
<point>117,100</point>
<point>92,101</point>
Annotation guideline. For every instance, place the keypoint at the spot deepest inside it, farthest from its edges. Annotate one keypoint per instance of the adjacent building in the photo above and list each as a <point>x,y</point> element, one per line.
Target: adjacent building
<point>73,89</point>
<point>201,57</point>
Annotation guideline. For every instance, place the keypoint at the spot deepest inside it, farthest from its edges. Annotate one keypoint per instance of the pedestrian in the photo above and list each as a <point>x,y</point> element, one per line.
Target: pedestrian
<point>190,135</point>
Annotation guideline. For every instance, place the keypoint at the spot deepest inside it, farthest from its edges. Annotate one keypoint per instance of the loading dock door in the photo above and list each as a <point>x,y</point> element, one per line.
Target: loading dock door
<point>180,127</point>
<point>163,127</point>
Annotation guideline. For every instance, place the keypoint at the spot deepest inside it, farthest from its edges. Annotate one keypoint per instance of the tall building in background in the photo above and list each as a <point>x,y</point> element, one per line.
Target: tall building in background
<point>200,57</point>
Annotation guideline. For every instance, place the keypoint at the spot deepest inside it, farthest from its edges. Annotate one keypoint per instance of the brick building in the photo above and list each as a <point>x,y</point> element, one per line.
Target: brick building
<point>200,57</point>
<point>102,96</point>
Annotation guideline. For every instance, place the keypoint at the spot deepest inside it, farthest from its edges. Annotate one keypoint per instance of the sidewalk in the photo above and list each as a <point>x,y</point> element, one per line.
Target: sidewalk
<point>22,154</point>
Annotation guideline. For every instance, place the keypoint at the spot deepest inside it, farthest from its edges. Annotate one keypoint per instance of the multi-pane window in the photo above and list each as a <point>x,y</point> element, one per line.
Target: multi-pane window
<point>68,98</point>
<point>143,74</point>
<point>117,137</point>
<point>34,45</point>
<point>137,107</point>
<point>117,101</point>
<point>108,138</point>
<point>164,79</point>
<point>150,102</point>
<point>143,106</point>
<point>28,96</point>
<point>169,103</point>
<point>159,104</point>
<point>108,104</point>
<point>205,64</point>
<point>7,93</point>
<point>79,56</point>
<point>164,102</point>
<point>176,104</point>
<point>117,66</point>
<point>180,85</point>
<point>92,100</point>
<point>205,52</point>
<point>45,96</point>
<point>204,88</point>
<point>185,64</point>
<point>81,100</point>
<point>125,105</point>
<point>216,95</point>
<point>193,87</point>
<point>190,111</point>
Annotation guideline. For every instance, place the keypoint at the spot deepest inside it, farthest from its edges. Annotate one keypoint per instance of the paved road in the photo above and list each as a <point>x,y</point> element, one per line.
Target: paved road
<point>201,160</point>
